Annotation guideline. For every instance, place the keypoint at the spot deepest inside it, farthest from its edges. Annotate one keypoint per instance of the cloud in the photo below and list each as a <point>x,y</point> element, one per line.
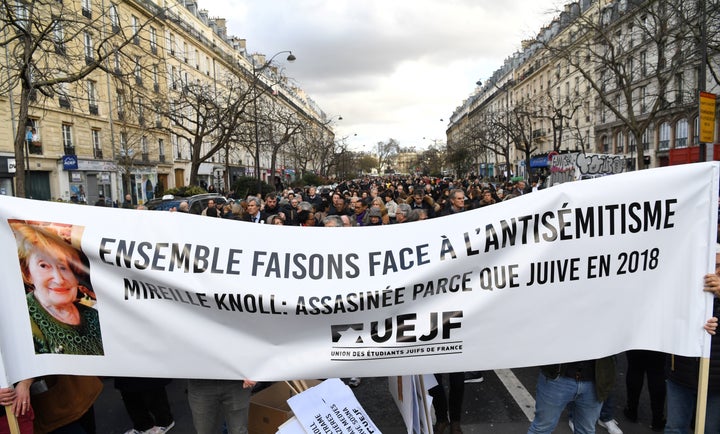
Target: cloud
<point>390,68</point>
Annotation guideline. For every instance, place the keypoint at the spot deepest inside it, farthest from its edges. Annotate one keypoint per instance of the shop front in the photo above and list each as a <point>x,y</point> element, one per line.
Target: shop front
<point>486,170</point>
<point>7,175</point>
<point>86,181</point>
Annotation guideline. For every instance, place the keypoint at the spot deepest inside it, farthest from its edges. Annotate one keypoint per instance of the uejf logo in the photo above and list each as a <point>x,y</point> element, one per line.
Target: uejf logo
<point>406,328</point>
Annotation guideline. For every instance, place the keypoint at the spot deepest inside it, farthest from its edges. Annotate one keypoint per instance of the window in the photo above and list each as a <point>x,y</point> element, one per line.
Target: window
<point>161,149</point>
<point>646,138</point>
<point>67,139</point>
<point>153,40</point>
<point>633,144</point>
<point>664,142</point>
<point>92,97</point>
<point>620,143</point>
<point>173,83</point>
<point>59,37</point>
<point>172,44</point>
<point>643,99</point>
<point>116,60</point>
<point>679,88</point>
<point>21,13</point>
<point>140,111</point>
<point>97,147</point>
<point>32,136</point>
<point>156,78</point>
<point>681,133</point>
<point>643,64</point>
<point>114,17</point>
<point>87,8</point>
<point>124,151</point>
<point>606,145</point>
<point>120,97</point>
<point>144,148</point>
<point>136,30</point>
<point>89,56</point>
<point>176,146</point>
<point>138,71</point>
<point>63,95</point>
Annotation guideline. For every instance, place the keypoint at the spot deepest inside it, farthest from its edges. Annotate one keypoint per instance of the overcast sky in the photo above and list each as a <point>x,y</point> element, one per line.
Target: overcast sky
<point>390,68</point>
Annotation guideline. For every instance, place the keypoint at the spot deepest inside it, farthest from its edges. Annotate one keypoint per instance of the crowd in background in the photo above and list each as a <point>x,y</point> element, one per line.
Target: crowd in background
<point>362,199</point>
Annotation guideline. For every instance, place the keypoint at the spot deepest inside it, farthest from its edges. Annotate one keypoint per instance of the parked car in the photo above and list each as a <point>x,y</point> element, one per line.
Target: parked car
<point>199,202</point>
<point>165,203</point>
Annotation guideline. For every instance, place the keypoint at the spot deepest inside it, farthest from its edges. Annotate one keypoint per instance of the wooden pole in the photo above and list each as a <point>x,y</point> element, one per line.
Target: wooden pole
<point>12,420</point>
<point>701,407</point>
<point>291,385</point>
<point>424,403</point>
<point>304,385</point>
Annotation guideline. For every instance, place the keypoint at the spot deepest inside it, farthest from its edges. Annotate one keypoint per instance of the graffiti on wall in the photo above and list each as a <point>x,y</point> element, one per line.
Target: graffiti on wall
<point>575,166</point>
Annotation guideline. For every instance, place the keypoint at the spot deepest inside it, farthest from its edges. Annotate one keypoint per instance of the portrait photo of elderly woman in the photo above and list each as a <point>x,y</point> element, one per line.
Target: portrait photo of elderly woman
<point>58,291</point>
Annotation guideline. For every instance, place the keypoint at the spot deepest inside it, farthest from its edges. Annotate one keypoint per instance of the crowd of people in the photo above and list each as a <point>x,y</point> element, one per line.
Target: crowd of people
<point>365,202</point>
<point>579,388</point>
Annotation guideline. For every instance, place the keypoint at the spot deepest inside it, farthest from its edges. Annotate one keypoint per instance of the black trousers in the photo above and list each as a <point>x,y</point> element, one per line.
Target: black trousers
<point>643,363</point>
<point>455,397</point>
<point>147,407</point>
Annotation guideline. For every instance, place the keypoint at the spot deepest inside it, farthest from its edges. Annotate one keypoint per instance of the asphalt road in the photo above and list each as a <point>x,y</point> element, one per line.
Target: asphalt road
<point>489,407</point>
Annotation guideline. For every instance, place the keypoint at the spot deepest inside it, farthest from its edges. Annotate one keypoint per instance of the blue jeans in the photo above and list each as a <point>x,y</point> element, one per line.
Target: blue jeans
<point>606,413</point>
<point>212,401</point>
<point>553,395</point>
<point>681,408</point>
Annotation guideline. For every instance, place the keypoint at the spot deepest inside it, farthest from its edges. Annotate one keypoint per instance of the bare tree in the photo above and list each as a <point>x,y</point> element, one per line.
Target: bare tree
<point>386,153</point>
<point>561,114</point>
<point>51,45</point>
<point>494,134</point>
<point>209,116</point>
<point>630,54</point>
<point>278,125</point>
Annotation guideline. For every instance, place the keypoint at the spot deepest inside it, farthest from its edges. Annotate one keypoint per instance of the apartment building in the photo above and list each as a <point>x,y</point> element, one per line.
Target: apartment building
<point>119,94</point>
<point>602,77</point>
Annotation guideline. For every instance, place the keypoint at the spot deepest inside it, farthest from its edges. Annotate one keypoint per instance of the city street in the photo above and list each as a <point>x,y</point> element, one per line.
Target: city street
<point>489,407</point>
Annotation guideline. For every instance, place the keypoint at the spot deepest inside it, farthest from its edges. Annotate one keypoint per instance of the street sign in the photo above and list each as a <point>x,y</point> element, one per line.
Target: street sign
<point>707,117</point>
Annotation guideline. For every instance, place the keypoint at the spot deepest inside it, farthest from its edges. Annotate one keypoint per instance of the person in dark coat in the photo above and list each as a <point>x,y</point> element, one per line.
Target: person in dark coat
<point>683,374</point>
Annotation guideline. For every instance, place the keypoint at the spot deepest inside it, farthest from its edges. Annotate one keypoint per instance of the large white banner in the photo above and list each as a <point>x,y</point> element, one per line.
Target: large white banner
<point>578,271</point>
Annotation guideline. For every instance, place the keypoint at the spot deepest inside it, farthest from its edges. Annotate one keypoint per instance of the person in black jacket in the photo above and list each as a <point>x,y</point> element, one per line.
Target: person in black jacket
<point>683,374</point>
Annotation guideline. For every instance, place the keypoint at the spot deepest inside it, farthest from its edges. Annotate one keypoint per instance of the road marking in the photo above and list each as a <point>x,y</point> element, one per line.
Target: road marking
<point>524,399</point>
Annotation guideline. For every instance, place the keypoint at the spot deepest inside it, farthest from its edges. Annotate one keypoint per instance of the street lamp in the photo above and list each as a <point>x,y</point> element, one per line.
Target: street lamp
<point>256,78</point>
